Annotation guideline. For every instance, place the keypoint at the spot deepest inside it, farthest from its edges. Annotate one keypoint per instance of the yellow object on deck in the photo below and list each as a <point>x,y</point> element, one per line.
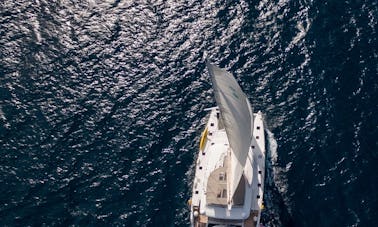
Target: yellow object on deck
<point>203,139</point>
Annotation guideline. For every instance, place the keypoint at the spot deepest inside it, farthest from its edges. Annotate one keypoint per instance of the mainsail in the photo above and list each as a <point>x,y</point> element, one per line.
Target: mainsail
<point>237,116</point>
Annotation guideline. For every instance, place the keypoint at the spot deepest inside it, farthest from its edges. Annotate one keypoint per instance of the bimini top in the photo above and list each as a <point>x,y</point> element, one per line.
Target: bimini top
<point>237,115</point>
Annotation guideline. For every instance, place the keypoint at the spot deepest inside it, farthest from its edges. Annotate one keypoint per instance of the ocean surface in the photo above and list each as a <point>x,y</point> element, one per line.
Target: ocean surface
<point>102,106</point>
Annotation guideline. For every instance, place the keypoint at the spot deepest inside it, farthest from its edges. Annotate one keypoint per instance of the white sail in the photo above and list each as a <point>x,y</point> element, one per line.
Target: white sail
<point>237,116</point>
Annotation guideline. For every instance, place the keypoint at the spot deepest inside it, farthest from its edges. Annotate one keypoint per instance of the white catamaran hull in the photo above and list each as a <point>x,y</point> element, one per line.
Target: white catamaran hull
<point>206,202</point>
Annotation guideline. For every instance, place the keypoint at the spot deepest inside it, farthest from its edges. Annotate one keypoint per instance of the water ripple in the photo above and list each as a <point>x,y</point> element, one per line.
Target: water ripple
<point>101,107</point>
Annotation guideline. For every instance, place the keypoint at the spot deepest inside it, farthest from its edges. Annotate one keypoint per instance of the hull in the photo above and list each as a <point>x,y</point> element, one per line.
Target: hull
<point>207,203</point>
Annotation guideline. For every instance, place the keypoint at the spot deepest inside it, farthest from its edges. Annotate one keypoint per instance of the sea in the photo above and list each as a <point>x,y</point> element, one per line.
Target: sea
<point>102,104</point>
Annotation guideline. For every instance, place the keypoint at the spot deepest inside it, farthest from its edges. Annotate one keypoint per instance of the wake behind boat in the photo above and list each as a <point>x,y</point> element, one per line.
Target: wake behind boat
<point>229,179</point>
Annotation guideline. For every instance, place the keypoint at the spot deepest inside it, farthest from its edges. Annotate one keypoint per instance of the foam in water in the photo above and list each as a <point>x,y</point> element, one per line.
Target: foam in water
<point>276,185</point>
<point>272,146</point>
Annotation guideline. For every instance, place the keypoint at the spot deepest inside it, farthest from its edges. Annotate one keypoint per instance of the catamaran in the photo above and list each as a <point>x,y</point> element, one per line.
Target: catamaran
<point>228,185</point>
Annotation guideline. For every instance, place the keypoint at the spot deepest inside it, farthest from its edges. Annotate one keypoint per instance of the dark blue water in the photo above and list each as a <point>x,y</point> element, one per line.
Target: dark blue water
<point>101,107</point>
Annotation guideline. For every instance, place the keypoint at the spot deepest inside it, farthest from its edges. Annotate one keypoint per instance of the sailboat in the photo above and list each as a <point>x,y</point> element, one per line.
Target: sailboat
<point>228,184</point>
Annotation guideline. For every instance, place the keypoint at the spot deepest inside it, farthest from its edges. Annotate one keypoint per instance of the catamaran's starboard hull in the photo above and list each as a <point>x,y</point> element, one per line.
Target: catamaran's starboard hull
<point>214,146</point>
